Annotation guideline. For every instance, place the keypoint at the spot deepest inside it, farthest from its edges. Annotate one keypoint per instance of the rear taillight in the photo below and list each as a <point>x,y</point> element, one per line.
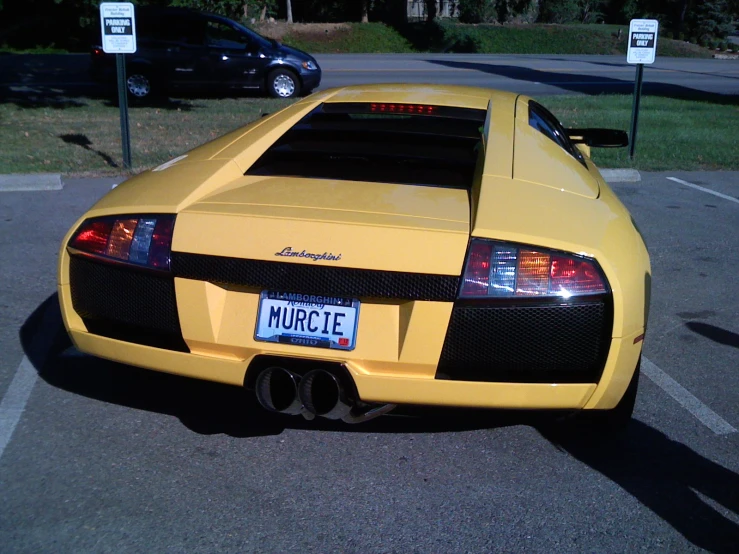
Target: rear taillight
<point>97,52</point>
<point>495,269</point>
<point>144,241</point>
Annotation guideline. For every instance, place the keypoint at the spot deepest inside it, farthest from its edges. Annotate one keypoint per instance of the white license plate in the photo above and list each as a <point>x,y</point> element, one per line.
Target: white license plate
<point>307,320</point>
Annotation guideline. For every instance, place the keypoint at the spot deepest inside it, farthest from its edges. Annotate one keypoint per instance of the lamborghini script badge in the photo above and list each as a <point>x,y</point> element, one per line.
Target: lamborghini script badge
<point>289,252</point>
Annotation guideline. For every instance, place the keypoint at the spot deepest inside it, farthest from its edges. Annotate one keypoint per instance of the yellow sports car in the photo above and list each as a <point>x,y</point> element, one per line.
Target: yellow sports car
<point>371,246</point>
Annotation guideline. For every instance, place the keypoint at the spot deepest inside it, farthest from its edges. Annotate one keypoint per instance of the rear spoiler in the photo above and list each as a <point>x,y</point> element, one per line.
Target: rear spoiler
<point>599,138</point>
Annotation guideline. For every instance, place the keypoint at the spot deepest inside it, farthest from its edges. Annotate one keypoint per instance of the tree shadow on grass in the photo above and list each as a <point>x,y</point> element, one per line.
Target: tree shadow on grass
<point>82,141</point>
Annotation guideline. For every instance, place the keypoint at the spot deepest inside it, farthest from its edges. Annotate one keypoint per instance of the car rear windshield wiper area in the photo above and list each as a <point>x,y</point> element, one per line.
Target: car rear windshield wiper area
<point>433,146</point>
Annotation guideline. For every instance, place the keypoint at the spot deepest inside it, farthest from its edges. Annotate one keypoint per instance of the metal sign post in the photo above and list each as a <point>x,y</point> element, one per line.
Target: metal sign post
<point>118,26</point>
<point>642,50</point>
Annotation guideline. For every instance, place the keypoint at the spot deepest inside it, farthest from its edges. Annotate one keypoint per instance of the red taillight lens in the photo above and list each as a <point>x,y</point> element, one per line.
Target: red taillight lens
<point>576,276</point>
<point>500,270</point>
<point>139,240</point>
<point>477,271</point>
<point>418,109</point>
<point>92,236</point>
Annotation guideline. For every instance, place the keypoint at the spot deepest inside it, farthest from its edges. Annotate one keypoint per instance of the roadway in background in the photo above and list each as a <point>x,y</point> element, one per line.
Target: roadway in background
<point>67,74</point>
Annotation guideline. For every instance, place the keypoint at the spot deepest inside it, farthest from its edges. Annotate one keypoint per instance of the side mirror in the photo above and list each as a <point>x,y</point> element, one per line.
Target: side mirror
<point>599,138</point>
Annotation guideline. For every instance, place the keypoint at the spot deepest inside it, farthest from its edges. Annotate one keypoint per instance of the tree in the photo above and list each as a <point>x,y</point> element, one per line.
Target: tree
<point>559,11</point>
<point>711,19</point>
<point>476,11</point>
<point>289,11</point>
<point>430,10</point>
<point>365,11</point>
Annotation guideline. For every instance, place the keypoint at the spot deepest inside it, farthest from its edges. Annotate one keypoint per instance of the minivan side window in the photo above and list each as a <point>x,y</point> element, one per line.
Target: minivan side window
<point>544,122</point>
<point>178,29</point>
<point>221,35</point>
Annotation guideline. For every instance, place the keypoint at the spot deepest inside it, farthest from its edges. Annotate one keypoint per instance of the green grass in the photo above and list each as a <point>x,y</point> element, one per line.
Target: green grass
<point>37,50</point>
<point>672,135</point>
<point>83,137</point>
<point>482,39</point>
<point>356,38</point>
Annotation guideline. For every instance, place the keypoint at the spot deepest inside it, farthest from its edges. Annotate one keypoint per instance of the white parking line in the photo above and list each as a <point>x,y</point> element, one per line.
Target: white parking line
<point>703,413</point>
<point>14,401</point>
<point>704,189</point>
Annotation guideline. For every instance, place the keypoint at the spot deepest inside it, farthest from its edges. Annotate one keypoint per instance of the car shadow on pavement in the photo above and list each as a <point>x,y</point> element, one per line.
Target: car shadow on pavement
<point>211,408</point>
<point>666,476</point>
<point>589,84</point>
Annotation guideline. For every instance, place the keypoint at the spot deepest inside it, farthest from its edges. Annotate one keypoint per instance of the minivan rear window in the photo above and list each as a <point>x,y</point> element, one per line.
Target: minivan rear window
<point>379,142</point>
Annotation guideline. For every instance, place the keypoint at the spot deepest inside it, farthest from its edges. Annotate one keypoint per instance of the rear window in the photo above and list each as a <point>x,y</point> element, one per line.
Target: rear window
<point>389,143</point>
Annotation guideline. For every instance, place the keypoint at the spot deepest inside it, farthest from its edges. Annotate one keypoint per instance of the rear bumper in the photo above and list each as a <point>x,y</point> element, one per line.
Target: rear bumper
<point>217,327</point>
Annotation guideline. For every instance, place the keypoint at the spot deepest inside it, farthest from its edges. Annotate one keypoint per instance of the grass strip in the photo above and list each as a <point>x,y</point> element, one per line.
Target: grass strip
<point>474,39</point>
<point>82,136</point>
<point>673,134</point>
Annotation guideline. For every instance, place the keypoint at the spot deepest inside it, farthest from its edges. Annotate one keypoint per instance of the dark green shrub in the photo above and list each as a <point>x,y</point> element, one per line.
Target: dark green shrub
<point>476,11</point>
<point>559,11</point>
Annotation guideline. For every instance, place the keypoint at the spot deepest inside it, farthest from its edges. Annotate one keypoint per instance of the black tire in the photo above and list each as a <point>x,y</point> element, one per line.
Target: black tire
<point>617,419</point>
<point>283,83</point>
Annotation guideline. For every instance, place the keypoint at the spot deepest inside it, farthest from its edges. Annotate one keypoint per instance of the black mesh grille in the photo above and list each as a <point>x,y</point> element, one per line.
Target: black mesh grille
<point>311,279</point>
<point>549,343</point>
<point>126,304</point>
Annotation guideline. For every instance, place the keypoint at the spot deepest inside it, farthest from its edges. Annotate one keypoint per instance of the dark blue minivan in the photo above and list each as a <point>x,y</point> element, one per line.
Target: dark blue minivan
<point>184,49</point>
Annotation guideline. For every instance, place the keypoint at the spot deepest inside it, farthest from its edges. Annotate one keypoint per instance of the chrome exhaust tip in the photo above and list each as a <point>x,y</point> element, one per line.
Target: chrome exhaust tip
<point>277,391</point>
<point>322,394</point>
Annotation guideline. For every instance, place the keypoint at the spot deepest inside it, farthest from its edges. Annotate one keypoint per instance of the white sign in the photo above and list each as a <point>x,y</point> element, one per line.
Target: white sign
<point>118,27</point>
<point>642,41</point>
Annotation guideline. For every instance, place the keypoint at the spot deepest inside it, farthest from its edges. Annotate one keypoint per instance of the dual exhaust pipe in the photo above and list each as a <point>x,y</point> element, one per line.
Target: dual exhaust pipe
<point>317,393</point>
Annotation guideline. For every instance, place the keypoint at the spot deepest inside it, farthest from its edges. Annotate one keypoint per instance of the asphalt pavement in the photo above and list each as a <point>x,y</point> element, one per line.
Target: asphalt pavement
<point>101,457</point>
<point>55,76</point>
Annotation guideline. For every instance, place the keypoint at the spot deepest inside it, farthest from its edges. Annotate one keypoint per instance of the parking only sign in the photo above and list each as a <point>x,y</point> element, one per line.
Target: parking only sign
<point>642,41</point>
<point>118,27</point>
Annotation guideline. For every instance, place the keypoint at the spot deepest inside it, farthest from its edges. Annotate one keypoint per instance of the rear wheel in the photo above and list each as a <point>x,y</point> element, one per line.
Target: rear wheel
<point>616,419</point>
<point>283,83</point>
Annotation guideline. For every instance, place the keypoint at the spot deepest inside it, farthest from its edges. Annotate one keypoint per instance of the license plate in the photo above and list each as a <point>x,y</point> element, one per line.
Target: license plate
<point>307,320</point>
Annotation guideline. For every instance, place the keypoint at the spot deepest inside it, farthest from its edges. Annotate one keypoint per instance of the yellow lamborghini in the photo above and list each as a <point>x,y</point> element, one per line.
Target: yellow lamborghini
<point>371,246</point>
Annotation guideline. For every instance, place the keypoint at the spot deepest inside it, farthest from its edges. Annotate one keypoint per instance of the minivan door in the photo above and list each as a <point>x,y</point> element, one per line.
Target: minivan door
<point>235,58</point>
<point>182,50</point>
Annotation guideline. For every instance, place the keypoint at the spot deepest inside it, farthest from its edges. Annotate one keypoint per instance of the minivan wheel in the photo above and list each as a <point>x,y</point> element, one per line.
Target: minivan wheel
<point>282,83</point>
<point>138,85</point>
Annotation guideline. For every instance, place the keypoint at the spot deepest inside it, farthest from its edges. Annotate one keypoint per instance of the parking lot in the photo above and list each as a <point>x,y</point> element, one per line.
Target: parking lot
<point>101,457</point>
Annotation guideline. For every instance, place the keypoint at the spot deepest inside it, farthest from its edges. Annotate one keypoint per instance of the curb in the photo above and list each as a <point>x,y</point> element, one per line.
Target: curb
<point>620,175</point>
<point>31,182</point>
